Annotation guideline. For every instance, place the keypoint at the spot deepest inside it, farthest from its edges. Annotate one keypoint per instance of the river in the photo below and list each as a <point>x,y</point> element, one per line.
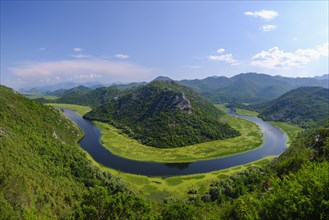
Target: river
<point>274,142</point>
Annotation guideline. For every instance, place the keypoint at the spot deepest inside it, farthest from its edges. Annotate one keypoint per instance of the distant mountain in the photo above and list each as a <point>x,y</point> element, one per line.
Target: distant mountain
<point>249,87</point>
<point>58,86</point>
<point>164,114</point>
<point>58,92</point>
<point>82,95</point>
<point>88,97</point>
<point>162,78</point>
<point>323,77</point>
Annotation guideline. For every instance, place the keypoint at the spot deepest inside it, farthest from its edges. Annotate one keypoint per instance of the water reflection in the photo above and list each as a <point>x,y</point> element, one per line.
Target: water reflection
<point>180,166</point>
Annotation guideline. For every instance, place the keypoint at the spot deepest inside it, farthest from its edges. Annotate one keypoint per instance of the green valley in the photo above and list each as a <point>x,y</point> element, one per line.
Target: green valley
<point>164,110</point>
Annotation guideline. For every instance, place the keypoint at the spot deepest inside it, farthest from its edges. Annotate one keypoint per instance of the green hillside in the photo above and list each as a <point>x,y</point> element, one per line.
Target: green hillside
<point>164,114</point>
<point>302,106</point>
<point>44,174</point>
<point>294,186</point>
<point>91,98</point>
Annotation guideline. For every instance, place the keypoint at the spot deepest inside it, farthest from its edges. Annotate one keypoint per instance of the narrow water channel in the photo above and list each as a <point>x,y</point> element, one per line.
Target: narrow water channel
<point>274,144</point>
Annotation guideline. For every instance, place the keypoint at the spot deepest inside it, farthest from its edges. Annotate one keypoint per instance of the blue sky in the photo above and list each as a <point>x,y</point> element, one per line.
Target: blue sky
<point>47,42</point>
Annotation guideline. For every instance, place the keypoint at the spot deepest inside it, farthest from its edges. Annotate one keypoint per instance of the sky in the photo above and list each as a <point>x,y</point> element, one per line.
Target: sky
<point>49,42</point>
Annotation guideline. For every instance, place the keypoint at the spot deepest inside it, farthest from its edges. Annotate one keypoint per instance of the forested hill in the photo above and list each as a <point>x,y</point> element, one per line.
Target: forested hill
<point>164,114</point>
<point>302,106</point>
<point>44,174</point>
<point>249,87</point>
<point>89,97</point>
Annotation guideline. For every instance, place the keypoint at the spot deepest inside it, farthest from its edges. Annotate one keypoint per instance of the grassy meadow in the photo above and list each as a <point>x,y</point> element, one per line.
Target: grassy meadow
<point>177,187</point>
<point>290,130</point>
<point>246,112</point>
<point>120,144</point>
<point>81,110</point>
<point>36,96</point>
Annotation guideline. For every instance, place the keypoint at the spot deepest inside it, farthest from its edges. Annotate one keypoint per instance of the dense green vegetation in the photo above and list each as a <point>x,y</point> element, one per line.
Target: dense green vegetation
<point>80,109</point>
<point>90,97</point>
<point>291,131</point>
<point>249,87</point>
<point>120,144</point>
<point>44,174</point>
<point>82,95</point>
<point>305,107</point>
<point>164,114</point>
<point>301,106</point>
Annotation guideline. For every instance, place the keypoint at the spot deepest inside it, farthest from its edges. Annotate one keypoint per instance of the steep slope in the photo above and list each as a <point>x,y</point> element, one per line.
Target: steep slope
<point>299,106</point>
<point>249,87</point>
<point>164,114</point>
<point>43,173</point>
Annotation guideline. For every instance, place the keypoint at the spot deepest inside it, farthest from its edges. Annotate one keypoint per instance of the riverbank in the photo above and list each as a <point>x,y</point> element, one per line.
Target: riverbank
<point>120,144</point>
<point>177,187</point>
<point>290,129</point>
<point>80,109</point>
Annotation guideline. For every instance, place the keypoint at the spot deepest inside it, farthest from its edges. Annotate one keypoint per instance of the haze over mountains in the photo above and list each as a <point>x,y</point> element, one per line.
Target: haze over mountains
<point>245,87</point>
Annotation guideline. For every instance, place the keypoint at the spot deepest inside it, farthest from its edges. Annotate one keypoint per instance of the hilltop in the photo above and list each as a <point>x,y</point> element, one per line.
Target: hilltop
<point>164,114</point>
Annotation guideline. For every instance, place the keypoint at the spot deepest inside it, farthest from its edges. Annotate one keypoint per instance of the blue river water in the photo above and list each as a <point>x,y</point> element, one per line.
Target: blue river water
<point>274,142</point>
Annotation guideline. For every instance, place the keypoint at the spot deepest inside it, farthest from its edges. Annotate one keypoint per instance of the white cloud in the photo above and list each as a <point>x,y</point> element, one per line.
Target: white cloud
<point>268,27</point>
<point>294,38</point>
<point>121,56</point>
<point>192,66</point>
<point>228,58</point>
<point>42,49</point>
<point>81,56</point>
<point>221,50</point>
<point>79,70</point>
<point>264,14</point>
<point>77,49</point>
<point>276,58</point>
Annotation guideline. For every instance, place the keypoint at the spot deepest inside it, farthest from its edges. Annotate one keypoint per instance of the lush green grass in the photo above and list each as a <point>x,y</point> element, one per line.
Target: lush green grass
<point>289,129</point>
<point>81,110</point>
<point>37,96</point>
<point>177,187</point>
<point>120,144</point>
<point>246,112</point>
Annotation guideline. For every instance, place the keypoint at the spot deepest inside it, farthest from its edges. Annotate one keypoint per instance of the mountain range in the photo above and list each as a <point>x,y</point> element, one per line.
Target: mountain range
<point>245,87</point>
<point>249,87</point>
